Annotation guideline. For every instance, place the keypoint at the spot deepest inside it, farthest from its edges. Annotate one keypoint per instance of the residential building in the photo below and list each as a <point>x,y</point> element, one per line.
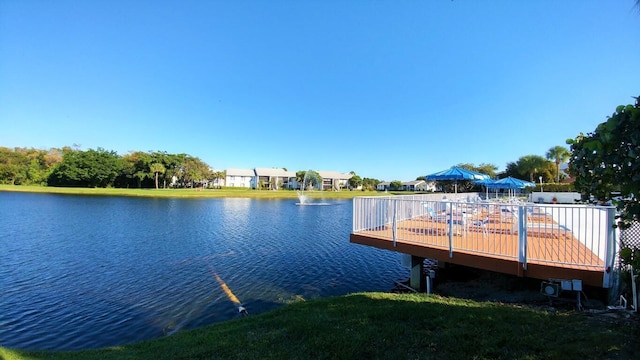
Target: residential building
<point>332,180</point>
<point>275,179</point>
<point>241,178</point>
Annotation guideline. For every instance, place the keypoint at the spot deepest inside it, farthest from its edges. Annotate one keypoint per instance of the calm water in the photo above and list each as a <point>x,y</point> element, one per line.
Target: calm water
<point>81,272</point>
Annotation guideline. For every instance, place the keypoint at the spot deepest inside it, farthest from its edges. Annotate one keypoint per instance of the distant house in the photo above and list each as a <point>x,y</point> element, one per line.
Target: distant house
<point>240,178</point>
<point>418,185</point>
<point>383,186</point>
<point>332,180</point>
<point>415,185</point>
<point>412,185</point>
<point>564,173</point>
<point>274,179</point>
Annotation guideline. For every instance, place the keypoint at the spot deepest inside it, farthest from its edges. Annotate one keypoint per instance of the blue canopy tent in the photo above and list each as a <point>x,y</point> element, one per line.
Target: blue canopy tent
<point>455,174</point>
<point>510,183</point>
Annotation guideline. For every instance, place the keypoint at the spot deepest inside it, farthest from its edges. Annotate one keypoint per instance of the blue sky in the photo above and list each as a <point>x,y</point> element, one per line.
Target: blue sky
<point>389,89</point>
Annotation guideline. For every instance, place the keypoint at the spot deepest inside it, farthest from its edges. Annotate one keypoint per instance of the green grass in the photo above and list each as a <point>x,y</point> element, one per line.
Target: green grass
<point>193,193</point>
<point>384,326</point>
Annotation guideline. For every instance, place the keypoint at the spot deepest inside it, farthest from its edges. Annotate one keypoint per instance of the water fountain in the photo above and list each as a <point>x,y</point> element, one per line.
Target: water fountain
<point>302,198</point>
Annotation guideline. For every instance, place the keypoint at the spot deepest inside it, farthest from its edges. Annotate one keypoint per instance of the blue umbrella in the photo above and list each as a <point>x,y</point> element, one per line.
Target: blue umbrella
<point>456,173</point>
<point>509,183</point>
<point>485,183</point>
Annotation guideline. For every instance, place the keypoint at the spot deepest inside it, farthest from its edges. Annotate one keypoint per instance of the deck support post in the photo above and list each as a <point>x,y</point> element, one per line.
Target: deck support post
<point>417,281</point>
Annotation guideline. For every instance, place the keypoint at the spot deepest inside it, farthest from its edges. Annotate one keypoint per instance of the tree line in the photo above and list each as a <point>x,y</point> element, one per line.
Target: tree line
<point>101,168</point>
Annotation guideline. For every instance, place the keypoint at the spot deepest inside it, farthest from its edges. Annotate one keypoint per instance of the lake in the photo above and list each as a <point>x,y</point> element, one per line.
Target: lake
<point>81,272</point>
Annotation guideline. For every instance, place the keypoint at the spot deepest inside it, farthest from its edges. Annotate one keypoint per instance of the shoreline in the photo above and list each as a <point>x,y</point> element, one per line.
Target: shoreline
<point>193,193</point>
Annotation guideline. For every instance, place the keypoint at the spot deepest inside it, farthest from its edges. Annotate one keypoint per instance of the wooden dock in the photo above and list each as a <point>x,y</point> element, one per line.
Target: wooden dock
<point>492,244</point>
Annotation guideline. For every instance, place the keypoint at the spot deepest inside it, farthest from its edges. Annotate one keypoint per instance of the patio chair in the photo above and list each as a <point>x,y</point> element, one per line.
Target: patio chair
<point>431,214</point>
<point>458,222</point>
<point>482,224</point>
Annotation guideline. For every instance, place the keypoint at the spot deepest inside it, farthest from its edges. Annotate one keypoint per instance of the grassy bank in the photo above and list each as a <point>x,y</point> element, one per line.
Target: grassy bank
<point>193,193</point>
<point>389,326</point>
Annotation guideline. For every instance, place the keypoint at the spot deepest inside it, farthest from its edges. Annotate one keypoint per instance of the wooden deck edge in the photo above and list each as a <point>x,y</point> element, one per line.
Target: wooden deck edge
<point>478,261</point>
<point>545,272</point>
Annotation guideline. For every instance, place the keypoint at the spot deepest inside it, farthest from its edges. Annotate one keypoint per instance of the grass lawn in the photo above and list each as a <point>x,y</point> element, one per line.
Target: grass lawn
<point>193,193</point>
<point>385,326</point>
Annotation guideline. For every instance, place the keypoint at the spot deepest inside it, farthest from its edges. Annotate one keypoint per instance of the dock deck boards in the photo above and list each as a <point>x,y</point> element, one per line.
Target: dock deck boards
<point>492,245</point>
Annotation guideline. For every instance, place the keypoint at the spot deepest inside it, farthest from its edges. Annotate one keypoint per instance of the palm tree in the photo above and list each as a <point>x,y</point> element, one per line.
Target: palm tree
<point>558,154</point>
<point>218,175</point>
<point>531,165</point>
<point>157,168</point>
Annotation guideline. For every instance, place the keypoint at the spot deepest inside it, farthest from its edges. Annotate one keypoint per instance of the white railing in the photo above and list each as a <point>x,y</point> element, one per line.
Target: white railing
<point>424,219</point>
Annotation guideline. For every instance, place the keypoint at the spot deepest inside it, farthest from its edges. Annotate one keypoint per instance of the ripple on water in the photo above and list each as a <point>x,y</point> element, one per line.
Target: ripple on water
<point>86,272</point>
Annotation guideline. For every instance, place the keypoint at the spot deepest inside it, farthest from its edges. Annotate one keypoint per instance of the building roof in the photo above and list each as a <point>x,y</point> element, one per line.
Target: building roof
<point>241,172</point>
<point>414,182</point>
<point>274,172</point>
<point>334,175</point>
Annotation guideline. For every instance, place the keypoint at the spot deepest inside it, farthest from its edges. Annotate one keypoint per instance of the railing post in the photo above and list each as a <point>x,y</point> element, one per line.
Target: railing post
<point>610,250</point>
<point>522,236</point>
<point>395,216</point>
<point>354,223</point>
<point>450,220</point>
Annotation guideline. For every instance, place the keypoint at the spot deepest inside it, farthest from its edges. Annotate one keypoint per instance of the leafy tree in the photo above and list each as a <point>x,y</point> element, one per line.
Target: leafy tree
<point>370,183</point>
<point>12,164</point>
<point>311,179</point>
<point>217,175</point>
<point>355,181</point>
<point>300,177</point>
<point>135,170</point>
<point>489,169</point>
<point>26,166</point>
<point>91,168</point>
<point>530,167</point>
<point>308,179</point>
<point>193,169</point>
<point>395,185</point>
<point>71,166</point>
<point>172,164</point>
<point>558,154</point>
<point>484,168</point>
<point>71,171</point>
<point>606,160</point>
